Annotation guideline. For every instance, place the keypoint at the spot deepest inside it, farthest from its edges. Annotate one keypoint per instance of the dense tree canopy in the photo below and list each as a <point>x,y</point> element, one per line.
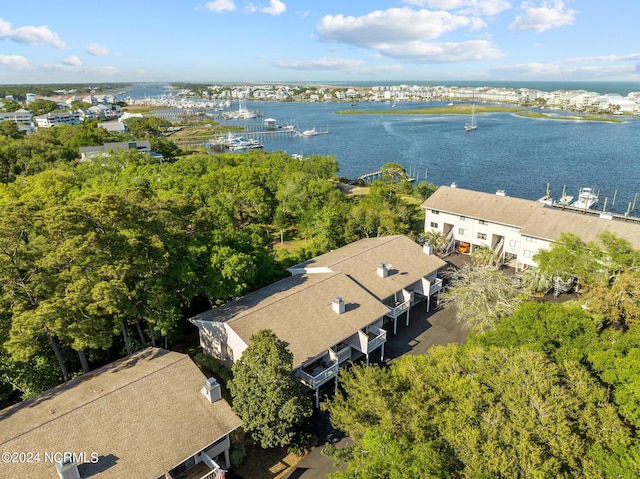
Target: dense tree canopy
<point>99,258</point>
<point>474,412</point>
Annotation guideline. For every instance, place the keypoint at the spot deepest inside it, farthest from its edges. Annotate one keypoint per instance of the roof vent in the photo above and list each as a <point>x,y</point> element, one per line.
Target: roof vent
<point>383,270</point>
<point>211,390</point>
<point>338,305</point>
<point>68,468</point>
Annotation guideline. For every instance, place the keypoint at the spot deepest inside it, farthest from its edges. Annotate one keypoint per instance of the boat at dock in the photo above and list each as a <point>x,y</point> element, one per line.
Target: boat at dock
<point>235,143</point>
<point>586,199</point>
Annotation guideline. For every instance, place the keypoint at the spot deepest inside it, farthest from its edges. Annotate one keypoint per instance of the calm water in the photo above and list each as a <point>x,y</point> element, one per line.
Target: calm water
<point>507,152</point>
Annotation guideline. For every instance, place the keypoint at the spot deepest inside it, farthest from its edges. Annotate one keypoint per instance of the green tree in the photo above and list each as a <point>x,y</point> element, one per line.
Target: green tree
<point>41,107</point>
<point>9,129</point>
<point>535,282</point>
<point>266,394</point>
<point>484,256</point>
<point>437,240</point>
<point>474,413</point>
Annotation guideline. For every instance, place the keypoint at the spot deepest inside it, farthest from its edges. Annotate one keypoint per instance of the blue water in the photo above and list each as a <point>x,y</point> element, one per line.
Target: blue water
<point>506,152</point>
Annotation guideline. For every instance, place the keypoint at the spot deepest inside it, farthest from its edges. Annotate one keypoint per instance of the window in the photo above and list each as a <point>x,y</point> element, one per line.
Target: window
<point>483,222</point>
<point>530,239</point>
<point>435,212</point>
<point>514,243</point>
<point>527,253</point>
<point>482,236</point>
<point>463,218</point>
<point>463,232</point>
<point>433,225</point>
<point>515,228</point>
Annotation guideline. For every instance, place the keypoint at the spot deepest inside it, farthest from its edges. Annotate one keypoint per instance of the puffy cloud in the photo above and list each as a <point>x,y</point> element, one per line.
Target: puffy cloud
<point>276,7</point>
<point>395,25</point>
<point>550,14</point>
<point>477,7</point>
<point>72,61</point>
<point>14,62</point>
<point>31,35</point>
<point>99,50</point>
<point>405,34</point>
<point>348,65</point>
<point>220,6</point>
<point>445,52</point>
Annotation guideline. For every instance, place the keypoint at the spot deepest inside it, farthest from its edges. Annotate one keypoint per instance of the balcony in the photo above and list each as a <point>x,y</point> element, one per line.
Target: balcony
<point>318,372</point>
<point>376,338</point>
<point>340,352</point>
<point>435,287</point>
<point>398,308</point>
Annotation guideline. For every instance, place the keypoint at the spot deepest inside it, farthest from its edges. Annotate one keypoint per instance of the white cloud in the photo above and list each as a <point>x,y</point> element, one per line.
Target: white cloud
<point>405,34</point>
<point>81,70</point>
<point>31,35</point>
<point>220,6</point>
<point>608,58</point>
<point>14,62</point>
<point>347,65</point>
<point>445,52</point>
<point>477,7</point>
<point>98,50</point>
<point>73,61</point>
<point>549,14</point>
<point>395,25</point>
<point>276,7</point>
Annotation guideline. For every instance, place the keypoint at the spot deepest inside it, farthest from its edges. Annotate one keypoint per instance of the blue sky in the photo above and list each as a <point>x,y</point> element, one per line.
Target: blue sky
<point>318,40</point>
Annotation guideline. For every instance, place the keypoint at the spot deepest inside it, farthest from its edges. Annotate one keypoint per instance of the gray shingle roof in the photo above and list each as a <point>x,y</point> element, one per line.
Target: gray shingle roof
<point>533,217</point>
<point>142,416</point>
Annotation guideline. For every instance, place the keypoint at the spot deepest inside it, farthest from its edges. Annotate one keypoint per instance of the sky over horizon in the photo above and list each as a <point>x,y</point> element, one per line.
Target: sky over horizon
<point>81,41</point>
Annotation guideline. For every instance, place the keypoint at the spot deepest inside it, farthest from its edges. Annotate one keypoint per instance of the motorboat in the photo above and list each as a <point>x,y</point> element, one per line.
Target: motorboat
<point>586,199</point>
<point>311,132</point>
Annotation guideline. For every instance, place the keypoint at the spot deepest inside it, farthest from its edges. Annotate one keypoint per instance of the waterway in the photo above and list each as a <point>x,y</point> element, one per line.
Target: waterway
<point>507,152</point>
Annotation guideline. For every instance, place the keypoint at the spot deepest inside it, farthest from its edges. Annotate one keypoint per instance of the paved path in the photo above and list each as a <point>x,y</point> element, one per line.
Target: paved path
<point>426,329</point>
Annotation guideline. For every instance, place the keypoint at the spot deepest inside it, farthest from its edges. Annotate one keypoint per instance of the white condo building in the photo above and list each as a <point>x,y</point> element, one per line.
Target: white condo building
<point>516,229</point>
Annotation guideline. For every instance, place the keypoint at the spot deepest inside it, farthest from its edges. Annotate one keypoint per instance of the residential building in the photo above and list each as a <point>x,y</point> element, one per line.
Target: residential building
<point>333,308</point>
<point>151,415</point>
<point>142,146</point>
<point>516,229</point>
<point>51,119</point>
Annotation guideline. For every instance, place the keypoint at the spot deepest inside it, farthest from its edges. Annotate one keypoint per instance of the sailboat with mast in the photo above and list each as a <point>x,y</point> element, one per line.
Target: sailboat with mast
<point>472,125</point>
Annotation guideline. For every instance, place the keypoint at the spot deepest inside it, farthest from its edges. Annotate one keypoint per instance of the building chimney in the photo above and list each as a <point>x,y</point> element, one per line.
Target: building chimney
<point>211,390</point>
<point>427,248</point>
<point>67,468</point>
<point>383,270</point>
<point>501,193</point>
<point>338,305</point>
<point>453,185</point>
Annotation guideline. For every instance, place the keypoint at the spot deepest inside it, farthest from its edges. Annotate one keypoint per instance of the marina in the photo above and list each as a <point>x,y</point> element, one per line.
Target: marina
<point>512,153</point>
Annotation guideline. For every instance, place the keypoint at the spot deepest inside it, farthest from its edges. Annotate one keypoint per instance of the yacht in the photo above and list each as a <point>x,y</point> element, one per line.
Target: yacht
<point>586,199</point>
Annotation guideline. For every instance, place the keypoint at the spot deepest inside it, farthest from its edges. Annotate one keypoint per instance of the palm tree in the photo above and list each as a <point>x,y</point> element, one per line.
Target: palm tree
<point>437,240</point>
<point>536,283</point>
<point>484,256</point>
